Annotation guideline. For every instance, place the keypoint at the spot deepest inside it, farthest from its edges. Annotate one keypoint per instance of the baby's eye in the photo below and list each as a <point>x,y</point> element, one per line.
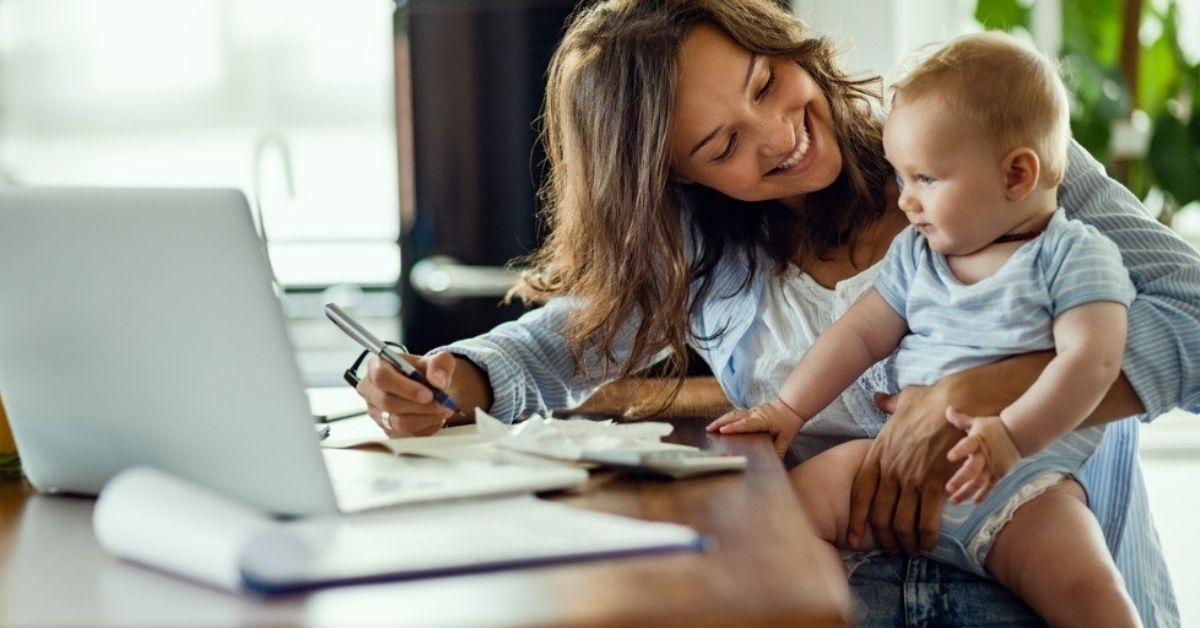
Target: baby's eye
<point>924,179</point>
<point>899,182</point>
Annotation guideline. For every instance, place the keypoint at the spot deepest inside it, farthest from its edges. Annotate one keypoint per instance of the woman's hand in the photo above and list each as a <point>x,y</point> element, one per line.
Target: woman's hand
<point>402,407</point>
<point>773,416</point>
<point>987,453</point>
<point>900,487</point>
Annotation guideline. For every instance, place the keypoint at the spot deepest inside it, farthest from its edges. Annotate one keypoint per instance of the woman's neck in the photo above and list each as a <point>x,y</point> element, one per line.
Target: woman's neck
<point>869,247</point>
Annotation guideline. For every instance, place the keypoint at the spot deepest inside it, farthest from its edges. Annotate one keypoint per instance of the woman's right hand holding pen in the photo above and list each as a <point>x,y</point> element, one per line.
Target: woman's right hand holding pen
<point>403,407</point>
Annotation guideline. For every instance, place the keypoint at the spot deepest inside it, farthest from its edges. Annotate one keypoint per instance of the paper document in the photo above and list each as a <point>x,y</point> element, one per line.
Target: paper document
<point>155,519</point>
<point>537,440</point>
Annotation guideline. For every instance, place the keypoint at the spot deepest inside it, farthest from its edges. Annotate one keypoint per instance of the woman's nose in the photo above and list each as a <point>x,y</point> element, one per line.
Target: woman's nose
<point>778,136</point>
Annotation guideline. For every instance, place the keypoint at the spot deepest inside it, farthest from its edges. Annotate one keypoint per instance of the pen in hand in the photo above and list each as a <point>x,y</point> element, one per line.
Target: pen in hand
<point>369,342</point>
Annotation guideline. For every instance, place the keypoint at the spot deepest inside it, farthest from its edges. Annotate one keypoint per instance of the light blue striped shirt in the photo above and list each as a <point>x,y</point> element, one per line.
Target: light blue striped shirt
<point>531,370</point>
<point>955,326</point>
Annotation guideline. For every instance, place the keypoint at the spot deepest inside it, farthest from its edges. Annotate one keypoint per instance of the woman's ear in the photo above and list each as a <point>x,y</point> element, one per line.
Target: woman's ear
<point>1021,169</point>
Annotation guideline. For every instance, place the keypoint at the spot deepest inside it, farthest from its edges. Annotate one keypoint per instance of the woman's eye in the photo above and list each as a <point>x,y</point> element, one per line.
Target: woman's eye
<point>728,149</point>
<point>766,88</point>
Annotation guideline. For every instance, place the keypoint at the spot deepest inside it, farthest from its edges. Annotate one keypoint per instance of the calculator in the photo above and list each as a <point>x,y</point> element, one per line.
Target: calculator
<point>676,463</point>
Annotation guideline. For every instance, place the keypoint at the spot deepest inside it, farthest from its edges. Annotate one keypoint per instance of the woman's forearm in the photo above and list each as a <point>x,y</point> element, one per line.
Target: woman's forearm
<point>700,396</point>
<point>988,389</point>
<point>470,389</point>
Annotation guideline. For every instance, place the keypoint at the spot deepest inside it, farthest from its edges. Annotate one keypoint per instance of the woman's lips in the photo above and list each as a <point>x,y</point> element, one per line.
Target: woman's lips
<point>804,154</point>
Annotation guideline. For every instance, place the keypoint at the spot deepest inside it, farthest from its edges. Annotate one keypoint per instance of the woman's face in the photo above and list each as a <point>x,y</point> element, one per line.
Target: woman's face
<point>754,128</point>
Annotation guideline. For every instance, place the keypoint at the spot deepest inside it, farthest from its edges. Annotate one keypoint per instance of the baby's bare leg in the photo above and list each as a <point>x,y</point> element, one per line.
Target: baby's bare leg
<point>823,483</point>
<point>1052,555</point>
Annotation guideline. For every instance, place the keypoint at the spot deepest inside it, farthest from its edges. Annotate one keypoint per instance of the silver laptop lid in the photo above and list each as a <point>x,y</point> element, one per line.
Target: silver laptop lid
<point>139,327</point>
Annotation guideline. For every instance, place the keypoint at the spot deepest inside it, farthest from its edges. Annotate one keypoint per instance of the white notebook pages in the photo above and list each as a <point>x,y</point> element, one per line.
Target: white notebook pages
<point>148,517</point>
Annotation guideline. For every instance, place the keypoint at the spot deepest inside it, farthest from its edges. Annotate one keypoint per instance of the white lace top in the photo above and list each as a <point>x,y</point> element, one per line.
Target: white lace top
<point>795,310</point>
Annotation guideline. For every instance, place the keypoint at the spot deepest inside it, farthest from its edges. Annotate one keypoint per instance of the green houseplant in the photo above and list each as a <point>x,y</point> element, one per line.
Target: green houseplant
<point>1125,69</point>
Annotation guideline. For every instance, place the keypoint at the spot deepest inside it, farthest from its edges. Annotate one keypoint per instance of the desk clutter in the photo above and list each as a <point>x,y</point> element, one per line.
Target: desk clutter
<point>150,517</point>
<point>635,448</point>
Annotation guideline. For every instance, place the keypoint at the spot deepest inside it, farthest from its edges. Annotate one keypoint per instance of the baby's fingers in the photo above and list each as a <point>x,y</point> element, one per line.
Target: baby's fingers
<point>970,489</point>
<point>963,448</point>
<point>964,478</point>
<point>984,490</point>
<point>726,419</point>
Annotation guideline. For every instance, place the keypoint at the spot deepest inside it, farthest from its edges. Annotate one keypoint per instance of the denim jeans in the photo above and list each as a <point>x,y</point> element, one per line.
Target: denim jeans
<point>894,590</point>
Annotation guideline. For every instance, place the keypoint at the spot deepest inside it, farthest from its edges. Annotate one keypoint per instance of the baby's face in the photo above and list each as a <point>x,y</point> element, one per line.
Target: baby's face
<point>952,184</point>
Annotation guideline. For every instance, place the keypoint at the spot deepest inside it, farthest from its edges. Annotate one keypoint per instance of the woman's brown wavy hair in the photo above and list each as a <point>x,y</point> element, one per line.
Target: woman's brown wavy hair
<point>615,216</point>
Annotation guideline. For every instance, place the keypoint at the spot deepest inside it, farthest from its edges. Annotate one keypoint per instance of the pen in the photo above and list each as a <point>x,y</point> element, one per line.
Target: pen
<point>385,353</point>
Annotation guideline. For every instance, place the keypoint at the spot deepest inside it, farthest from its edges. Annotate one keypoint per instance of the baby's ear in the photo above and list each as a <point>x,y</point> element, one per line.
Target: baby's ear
<point>1021,169</point>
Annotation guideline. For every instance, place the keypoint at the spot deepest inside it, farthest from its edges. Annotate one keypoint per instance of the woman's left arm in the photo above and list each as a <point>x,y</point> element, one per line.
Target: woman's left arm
<point>899,488</point>
<point>1162,350</point>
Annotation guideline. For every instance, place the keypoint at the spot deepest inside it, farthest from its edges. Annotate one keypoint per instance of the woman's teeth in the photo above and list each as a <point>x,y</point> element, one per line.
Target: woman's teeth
<point>798,154</point>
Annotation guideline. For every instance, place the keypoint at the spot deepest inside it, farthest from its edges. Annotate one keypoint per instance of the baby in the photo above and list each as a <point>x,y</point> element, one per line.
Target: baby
<point>988,268</point>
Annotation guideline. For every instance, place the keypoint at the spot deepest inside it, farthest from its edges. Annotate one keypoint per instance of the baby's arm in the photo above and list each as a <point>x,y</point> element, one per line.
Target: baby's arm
<point>1089,341</point>
<point>867,333</point>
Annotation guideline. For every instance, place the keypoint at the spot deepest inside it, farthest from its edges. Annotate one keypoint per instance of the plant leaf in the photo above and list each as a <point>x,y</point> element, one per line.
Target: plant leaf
<point>1175,158</point>
<point>1002,15</point>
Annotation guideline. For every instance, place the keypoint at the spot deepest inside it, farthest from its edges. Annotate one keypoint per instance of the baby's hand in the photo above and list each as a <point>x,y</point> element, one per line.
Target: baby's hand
<point>773,416</point>
<point>989,451</point>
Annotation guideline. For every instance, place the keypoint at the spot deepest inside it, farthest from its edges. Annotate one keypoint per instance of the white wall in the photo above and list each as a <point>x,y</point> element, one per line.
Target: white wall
<point>877,34</point>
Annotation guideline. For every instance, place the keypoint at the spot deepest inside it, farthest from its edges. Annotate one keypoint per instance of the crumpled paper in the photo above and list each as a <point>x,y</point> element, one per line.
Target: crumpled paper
<point>568,439</point>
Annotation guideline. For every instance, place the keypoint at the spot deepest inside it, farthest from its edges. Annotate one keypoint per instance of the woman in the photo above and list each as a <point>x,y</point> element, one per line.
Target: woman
<point>716,182</point>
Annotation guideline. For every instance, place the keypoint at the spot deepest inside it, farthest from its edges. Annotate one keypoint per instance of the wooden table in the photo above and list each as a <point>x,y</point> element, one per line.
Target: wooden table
<point>765,569</point>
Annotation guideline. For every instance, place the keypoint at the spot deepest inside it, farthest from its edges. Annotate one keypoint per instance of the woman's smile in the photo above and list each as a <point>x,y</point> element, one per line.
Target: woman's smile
<point>751,126</point>
<point>800,158</point>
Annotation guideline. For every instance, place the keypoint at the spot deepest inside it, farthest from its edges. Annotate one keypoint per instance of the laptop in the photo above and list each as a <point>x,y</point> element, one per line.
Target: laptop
<point>140,327</point>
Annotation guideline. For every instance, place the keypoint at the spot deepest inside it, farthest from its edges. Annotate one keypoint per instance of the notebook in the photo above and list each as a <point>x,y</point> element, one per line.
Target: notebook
<point>139,327</point>
<point>152,518</point>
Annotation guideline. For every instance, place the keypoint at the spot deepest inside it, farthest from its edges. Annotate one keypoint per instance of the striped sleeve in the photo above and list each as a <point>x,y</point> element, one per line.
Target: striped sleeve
<point>529,363</point>
<point>1162,352</point>
<point>896,273</point>
<point>1085,267</point>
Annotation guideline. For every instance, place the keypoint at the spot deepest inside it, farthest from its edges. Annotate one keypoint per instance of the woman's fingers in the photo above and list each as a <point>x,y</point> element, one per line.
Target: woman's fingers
<point>886,403</point>
<point>929,520</point>
<point>401,406</point>
<point>400,425</point>
<point>880,516</point>
<point>904,519</point>
<point>383,379</point>
<point>438,368</point>
<point>862,494</point>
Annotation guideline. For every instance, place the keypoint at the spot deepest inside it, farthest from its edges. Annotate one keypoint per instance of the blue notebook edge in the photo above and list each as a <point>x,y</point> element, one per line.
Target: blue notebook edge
<point>263,587</point>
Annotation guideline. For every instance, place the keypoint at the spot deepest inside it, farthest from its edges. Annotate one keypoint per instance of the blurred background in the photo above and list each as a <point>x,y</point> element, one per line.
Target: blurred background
<point>388,146</point>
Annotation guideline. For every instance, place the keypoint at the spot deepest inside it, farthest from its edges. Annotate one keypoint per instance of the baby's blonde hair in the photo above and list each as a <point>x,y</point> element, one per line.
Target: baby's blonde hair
<point>1010,93</point>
